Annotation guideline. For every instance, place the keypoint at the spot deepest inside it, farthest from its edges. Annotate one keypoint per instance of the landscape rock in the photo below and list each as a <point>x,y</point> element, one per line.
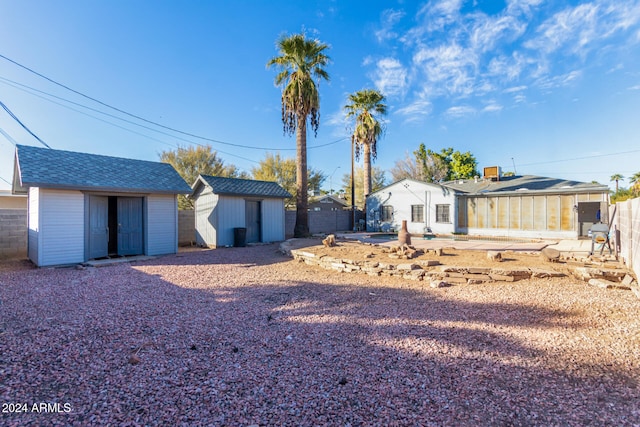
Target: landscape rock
<point>329,241</point>
<point>495,256</point>
<point>550,254</point>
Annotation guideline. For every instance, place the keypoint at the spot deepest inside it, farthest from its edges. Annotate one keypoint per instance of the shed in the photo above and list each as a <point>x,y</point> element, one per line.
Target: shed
<point>225,204</point>
<point>427,208</point>
<point>86,206</point>
<point>529,206</point>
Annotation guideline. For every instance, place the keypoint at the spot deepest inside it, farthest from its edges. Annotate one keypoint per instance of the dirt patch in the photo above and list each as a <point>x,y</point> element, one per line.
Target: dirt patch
<point>355,250</point>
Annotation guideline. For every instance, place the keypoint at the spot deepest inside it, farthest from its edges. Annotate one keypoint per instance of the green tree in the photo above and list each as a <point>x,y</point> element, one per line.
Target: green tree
<point>364,105</point>
<point>616,177</point>
<point>463,165</point>
<point>193,161</point>
<point>300,61</point>
<point>435,166</point>
<point>283,171</point>
<point>378,180</point>
<point>446,165</point>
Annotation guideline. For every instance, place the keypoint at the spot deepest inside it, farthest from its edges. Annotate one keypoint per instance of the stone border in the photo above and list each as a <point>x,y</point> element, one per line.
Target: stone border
<point>424,270</point>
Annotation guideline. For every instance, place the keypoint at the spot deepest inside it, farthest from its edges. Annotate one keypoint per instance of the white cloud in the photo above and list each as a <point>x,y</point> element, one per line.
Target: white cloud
<point>452,67</point>
<point>389,19</point>
<point>460,111</point>
<point>473,55</point>
<point>440,13</point>
<point>636,87</point>
<point>515,89</point>
<point>521,6</point>
<point>390,77</point>
<point>492,107</point>
<point>559,80</point>
<point>487,32</point>
<point>416,111</point>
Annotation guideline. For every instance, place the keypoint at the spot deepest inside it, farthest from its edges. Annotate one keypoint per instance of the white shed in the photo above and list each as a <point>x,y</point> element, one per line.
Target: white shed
<point>223,205</point>
<point>427,208</point>
<point>85,206</point>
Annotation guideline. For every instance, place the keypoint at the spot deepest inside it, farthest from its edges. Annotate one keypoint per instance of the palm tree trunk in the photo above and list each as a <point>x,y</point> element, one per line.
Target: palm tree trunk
<point>301,228</point>
<point>367,171</point>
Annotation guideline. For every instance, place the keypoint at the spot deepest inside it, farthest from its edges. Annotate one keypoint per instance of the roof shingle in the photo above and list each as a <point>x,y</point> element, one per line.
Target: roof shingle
<point>243,187</point>
<point>47,168</point>
<point>525,183</point>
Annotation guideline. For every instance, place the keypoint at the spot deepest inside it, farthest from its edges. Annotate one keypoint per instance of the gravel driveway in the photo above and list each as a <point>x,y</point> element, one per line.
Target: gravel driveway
<point>246,336</point>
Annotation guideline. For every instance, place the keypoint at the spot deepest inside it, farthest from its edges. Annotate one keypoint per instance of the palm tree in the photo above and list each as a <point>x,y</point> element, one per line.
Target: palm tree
<point>300,60</point>
<point>635,183</point>
<point>364,104</point>
<point>616,177</point>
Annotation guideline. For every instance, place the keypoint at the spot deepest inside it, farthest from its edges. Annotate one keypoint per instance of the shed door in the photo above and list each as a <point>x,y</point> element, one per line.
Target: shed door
<point>130,237</point>
<point>252,221</point>
<point>98,227</point>
<point>587,216</point>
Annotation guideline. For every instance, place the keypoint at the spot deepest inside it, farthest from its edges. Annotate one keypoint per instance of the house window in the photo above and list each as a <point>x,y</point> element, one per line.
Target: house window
<point>417,213</point>
<point>387,213</point>
<point>442,213</point>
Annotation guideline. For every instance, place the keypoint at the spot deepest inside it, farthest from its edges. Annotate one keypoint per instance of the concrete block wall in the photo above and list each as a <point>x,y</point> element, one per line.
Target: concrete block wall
<point>322,221</point>
<point>626,225</point>
<point>13,233</point>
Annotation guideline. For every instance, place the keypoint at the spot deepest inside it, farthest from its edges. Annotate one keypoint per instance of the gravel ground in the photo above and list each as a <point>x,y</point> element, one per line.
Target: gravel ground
<point>246,336</point>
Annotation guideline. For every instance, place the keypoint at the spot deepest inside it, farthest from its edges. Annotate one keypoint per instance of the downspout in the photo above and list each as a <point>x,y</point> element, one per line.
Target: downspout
<point>427,208</point>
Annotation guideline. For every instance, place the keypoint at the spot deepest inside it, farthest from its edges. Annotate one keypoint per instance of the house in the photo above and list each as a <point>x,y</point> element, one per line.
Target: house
<point>85,206</point>
<point>528,206</point>
<point>328,202</point>
<point>427,208</point>
<point>507,206</point>
<point>224,206</point>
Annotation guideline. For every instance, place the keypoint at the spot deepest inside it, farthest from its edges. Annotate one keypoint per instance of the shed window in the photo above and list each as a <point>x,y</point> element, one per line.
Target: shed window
<point>417,213</point>
<point>442,213</point>
<point>387,213</point>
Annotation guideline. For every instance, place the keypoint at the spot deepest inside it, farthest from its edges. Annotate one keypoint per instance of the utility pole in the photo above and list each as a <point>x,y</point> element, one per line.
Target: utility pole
<point>353,187</point>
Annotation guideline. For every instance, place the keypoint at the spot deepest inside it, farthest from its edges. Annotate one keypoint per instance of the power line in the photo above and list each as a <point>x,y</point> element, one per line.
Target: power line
<point>580,158</point>
<point>115,117</point>
<point>9,138</point>
<point>22,124</point>
<point>152,122</point>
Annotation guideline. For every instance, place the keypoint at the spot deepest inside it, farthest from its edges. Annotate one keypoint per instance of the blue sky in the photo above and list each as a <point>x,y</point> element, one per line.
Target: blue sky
<point>550,87</point>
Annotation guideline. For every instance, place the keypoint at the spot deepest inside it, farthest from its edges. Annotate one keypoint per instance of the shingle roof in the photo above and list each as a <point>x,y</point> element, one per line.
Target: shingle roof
<point>525,183</point>
<point>243,187</point>
<point>47,168</point>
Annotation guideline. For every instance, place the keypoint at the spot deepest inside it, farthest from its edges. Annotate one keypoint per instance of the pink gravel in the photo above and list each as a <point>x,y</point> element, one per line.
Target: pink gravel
<point>247,336</point>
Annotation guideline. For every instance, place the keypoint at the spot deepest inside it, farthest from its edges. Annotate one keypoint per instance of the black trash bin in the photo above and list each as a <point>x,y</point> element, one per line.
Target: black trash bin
<point>240,237</point>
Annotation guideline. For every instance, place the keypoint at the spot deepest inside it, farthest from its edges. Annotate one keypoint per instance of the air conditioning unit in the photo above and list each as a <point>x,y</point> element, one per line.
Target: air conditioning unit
<point>492,172</point>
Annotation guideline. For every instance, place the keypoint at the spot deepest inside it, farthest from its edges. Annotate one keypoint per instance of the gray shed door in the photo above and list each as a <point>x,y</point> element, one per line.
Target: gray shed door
<point>253,221</point>
<point>130,236</point>
<point>587,216</point>
<point>98,227</point>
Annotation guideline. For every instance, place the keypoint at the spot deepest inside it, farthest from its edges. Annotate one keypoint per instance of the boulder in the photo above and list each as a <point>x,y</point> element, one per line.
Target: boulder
<point>495,256</point>
<point>329,241</point>
<point>550,254</point>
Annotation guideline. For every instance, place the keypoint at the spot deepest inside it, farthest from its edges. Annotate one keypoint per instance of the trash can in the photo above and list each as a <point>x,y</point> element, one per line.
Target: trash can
<point>240,237</point>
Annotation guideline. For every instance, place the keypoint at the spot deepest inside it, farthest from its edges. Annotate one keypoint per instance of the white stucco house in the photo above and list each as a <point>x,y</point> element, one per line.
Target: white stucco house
<point>84,206</point>
<point>516,206</point>
<point>428,208</point>
<point>223,205</point>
